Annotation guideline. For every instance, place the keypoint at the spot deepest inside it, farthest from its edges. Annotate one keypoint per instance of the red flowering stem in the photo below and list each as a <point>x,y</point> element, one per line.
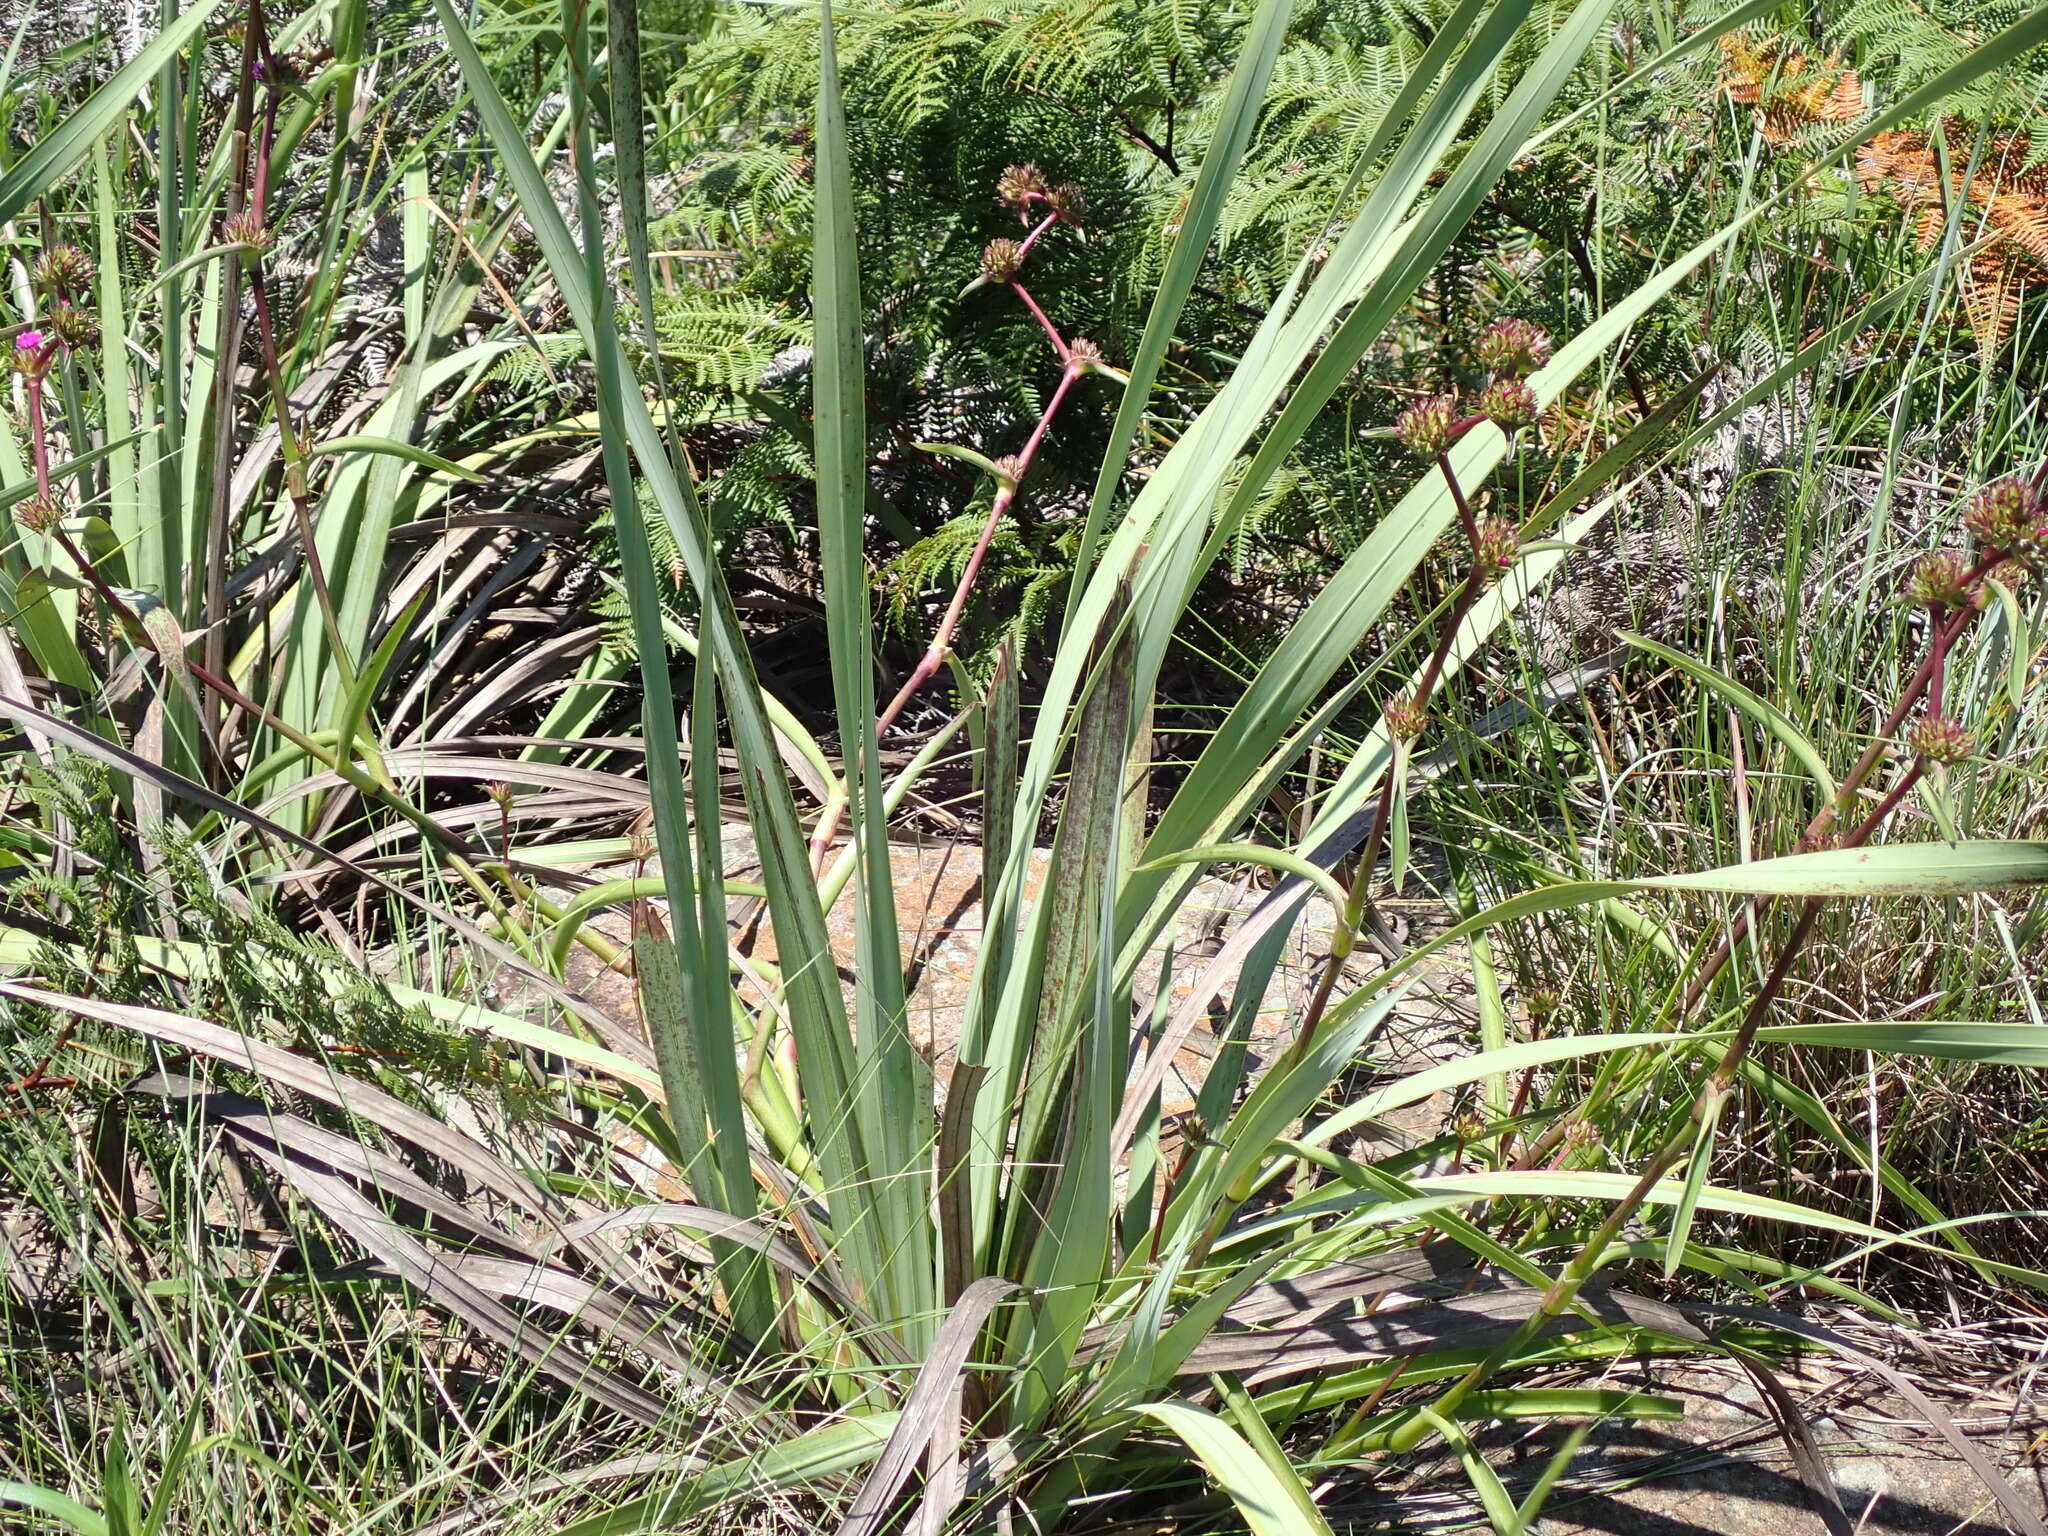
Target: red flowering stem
<point>942,642</point>
<point>1465,518</point>
<point>935,653</point>
<point>1925,681</point>
<point>1024,245</point>
<point>1920,684</point>
<point>1937,652</point>
<point>38,434</point>
<point>1681,1143</point>
<point>1888,804</point>
<point>350,774</point>
<point>1052,335</point>
<point>289,448</point>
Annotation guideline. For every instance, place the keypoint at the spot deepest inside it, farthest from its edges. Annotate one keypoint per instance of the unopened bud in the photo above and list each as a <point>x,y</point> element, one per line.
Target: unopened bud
<point>1084,354</point>
<point>2007,518</point>
<point>247,229</point>
<point>1001,260</point>
<point>1509,404</point>
<point>1428,426</point>
<point>1513,346</point>
<point>1938,581</point>
<point>1018,185</point>
<point>1405,717</point>
<point>1067,201</point>
<point>72,326</point>
<point>40,512</point>
<point>62,269</point>
<point>1495,545</point>
<point>1940,740</point>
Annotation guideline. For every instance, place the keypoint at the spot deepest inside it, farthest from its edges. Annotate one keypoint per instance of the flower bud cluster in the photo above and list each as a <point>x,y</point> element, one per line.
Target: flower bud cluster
<point>1940,740</point>
<point>1495,546</point>
<point>1022,185</point>
<point>1509,404</point>
<point>33,353</point>
<point>247,229</point>
<point>1938,581</point>
<point>61,273</point>
<point>2009,517</point>
<point>1513,348</point>
<point>1510,350</point>
<point>40,512</point>
<point>1405,717</point>
<point>1428,426</point>
<point>1001,260</point>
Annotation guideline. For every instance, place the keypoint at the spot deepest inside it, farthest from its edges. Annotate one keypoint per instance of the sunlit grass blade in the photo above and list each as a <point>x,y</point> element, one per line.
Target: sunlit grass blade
<point>1272,1503</point>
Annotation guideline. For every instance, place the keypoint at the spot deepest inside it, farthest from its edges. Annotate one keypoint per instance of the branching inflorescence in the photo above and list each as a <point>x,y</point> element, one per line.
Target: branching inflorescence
<point>1041,207</point>
<point>1510,349</point>
<point>2009,523</point>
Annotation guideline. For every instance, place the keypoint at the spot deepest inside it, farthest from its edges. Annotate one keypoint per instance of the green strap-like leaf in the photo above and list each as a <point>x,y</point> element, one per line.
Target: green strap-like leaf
<point>1271,1504</point>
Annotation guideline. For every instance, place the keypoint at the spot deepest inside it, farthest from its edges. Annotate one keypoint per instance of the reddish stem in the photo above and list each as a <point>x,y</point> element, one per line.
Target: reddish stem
<point>935,653</point>
<point>1024,245</point>
<point>1058,345</point>
<point>38,435</point>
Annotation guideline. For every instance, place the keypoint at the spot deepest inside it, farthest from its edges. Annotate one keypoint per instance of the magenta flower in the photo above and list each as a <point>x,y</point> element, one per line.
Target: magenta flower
<point>29,341</point>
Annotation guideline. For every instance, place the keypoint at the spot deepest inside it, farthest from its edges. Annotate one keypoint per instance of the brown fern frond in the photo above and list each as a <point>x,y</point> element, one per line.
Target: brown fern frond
<point>1992,289</point>
<point>1928,225</point>
<point>2022,219</point>
<point>1791,91</point>
<point>1989,174</point>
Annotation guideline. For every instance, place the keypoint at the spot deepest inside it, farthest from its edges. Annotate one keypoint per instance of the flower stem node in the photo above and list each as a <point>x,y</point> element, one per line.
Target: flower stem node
<point>1066,201</point>
<point>1084,356</point>
<point>1018,186</point>
<point>1509,404</point>
<point>1495,545</point>
<point>41,512</point>
<point>1001,260</point>
<point>72,326</point>
<point>2009,518</point>
<point>1405,717</point>
<point>1009,472</point>
<point>62,270</point>
<point>1512,347</point>
<point>1428,426</point>
<point>249,230</point>
<point>1940,740</point>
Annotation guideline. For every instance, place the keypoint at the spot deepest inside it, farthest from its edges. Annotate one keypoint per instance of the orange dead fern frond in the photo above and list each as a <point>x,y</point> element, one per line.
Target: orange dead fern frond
<point>1990,173</point>
<point>1992,289</point>
<point>1790,90</point>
